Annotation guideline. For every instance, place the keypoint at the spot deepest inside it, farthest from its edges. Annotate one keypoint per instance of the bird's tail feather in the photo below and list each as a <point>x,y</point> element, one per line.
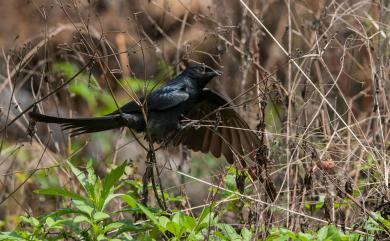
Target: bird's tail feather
<point>79,126</point>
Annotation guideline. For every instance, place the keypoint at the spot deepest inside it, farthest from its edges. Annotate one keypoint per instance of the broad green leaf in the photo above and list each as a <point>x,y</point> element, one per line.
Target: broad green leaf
<point>91,172</point>
<point>10,236</point>
<point>59,192</point>
<point>206,218</point>
<point>88,187</point>
<point>305,236</point>
<point>329,232</point>
<point>109,181</point>
<point>129,200</point>
<point>99,216</point>
<point>178,218</point>
<point>108,199</point>
<point>57,224</point>
<point>174,228</point>
<point>221,236</point>
<point>149,214</point>
<point>205,213</point>
<point>33,221</point>
<point>101,237</point>
<point>229,231</point>
<point>80,218</point>
<point>62,211</point>
<point>112,226</point>
<point>50,222</point>
<point>83,206</point>
<point>246,234</point>
<point>129,227</point>
<point>163,221</point>
<point>152,217</point>
<point>189,222</point>
<point>322,233</point>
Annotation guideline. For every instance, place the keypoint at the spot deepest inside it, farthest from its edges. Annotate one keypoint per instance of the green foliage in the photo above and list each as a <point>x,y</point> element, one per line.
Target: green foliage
<point>88,216</point>
<point>326,233</point>
<point>86,86</point>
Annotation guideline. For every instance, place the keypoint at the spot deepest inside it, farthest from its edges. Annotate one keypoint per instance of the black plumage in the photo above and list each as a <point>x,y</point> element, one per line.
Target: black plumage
<point>182,111</point>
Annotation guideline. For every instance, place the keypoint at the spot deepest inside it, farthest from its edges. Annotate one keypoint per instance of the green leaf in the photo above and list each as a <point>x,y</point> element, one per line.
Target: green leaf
<point>189,222</point>
<point>51,223</point>
<point>81,218</point>
<point>129,200</point>
<point>153,218</point>
<point>88,187</point>
<point>329,232</point>
<point>246,234</point>
<point>11,236</point>
<point>59,192</point>
<point>91,172</point>
<point>130,227</point>
<point>149,214</point>
<point>31,220</point>
<point>230,182</point>
<point>83,206</point>
<point>163,221</point>
<point>221,236</point>
<point>229,231</point>
<point>178,218</point>
<point>305,236</point>
<point>112,226</point>
<point>101,237</point>
<point>62,211</point>
<point>56,224</point>
<point>109,181</point>
<point>108,199</point>
<point>206,218</point>
<point>174,228</point>
<point>99,216</point>
<point>322,233</point>
<point>205,213</point>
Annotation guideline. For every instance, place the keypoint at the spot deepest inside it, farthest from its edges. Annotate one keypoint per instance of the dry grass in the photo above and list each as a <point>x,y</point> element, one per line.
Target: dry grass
<point>322,67</point>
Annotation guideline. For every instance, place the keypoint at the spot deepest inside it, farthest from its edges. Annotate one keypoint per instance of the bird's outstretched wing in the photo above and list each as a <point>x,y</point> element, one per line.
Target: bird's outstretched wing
<point>214,126</point>
<point>219,129</point>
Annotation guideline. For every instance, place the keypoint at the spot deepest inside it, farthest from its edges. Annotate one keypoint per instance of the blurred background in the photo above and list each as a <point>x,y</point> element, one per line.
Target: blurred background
<point>340,46</point>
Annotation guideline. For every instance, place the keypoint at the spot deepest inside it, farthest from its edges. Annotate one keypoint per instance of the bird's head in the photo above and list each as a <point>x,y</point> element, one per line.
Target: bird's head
<point>201,74</point>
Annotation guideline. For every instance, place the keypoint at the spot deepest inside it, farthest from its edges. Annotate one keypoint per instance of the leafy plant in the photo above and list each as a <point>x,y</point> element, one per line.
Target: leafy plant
<point>88,216</point>
<point>326,233</point>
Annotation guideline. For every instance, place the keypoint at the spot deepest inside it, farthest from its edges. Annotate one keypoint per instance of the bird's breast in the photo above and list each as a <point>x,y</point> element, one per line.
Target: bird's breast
<point>162,126</point>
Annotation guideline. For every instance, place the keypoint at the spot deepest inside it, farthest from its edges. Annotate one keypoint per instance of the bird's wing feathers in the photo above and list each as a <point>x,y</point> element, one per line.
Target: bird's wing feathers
<point>217,128</point>
<point>160,99</point>
<point>166,97</point>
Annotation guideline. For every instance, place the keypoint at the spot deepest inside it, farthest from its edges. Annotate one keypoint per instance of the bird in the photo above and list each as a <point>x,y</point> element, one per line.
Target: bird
<point>181,111</point>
